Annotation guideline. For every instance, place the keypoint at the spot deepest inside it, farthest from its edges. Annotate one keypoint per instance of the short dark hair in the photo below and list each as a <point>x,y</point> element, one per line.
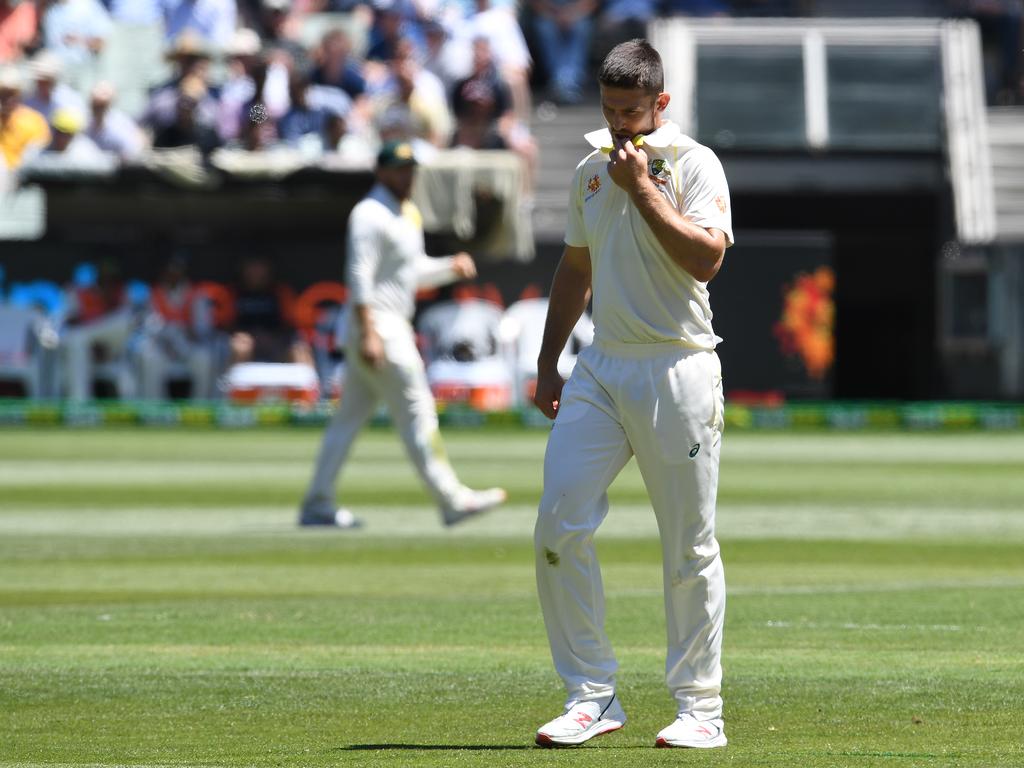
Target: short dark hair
<point>633,64</point>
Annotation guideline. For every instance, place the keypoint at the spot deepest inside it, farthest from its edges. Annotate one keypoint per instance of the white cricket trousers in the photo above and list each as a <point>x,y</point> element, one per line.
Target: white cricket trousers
<point>662,403</point>
<point>402,383</point>
<point>156,363</point>
<point>112,330</point>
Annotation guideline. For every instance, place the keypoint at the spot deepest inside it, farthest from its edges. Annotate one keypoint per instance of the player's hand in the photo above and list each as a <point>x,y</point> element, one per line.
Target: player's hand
<point>627,165</point>
<point>371,349</point>
<point>549,391</point>
<point>463,266</point>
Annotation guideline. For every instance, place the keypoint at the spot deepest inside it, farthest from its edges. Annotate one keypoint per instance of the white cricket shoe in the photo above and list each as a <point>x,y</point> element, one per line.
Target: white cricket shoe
<point>327,516</point>
<point>688,731</point>
<point>469,503</point>
<point>582,721</point>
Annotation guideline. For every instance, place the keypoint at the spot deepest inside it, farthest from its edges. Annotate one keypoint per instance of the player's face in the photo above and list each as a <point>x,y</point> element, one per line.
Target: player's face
<point>629,111</point>
<point>398,180</point>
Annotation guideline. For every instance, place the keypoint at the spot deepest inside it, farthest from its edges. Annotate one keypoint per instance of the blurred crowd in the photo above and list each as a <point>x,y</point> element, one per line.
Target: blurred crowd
<point>324,80</point>
<point>104,335</point>
<point>97,82</point>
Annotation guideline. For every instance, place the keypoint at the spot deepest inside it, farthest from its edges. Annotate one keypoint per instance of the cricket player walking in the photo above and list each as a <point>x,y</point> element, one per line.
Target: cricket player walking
<point>649,223</point>
<point>386,264</point>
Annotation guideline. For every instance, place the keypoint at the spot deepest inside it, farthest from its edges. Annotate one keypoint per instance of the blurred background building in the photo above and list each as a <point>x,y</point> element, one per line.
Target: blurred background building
<point>176,176</point>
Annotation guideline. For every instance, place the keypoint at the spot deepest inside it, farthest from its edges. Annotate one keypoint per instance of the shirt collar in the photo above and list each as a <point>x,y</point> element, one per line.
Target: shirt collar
<point>383,194</point>
<point>667,135</point>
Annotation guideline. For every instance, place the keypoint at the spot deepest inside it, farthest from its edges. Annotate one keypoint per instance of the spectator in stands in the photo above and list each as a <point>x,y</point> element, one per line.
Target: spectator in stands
<point>279,29</point>
<point>482,104</point>
<point>212,20</point>
<point>19,25</point>
<point>77,31</point>
<point>68,141</point>
<point>100,323</point>
<point>563,29</point>
<point>50,94</point>
<point>23,131</point>
<point>70,150</point>
<point>345,144</point>
<point>258,125</point>
<point>254,137</point>
<point>111,129</point>
<point>192,125</point>
<point>302,127</point>
<point>497,23</point>
<point>411,104</point>
<point>238,88</point>
<point>622,20</point>
<point>389,28</point>
<point>178,333</point>
<point>335,65</point>
<point>190,59</point>
<point>446,56</point>
<point>263,318</point>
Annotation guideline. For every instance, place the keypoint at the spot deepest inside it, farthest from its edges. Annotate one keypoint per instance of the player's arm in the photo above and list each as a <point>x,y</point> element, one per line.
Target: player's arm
<point>371,346</point>
<point>433,272</point>
<point>698,250</point>
<point>360,275</point>
<point>570,292</point>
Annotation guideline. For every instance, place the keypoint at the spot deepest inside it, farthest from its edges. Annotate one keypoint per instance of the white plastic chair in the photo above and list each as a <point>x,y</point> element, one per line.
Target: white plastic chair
<point>18,360</point>
<point>521,334</point>
<point>464,360</point>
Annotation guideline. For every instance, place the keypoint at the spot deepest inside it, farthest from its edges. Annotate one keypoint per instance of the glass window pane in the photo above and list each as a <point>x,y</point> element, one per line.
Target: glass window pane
<point>750,96</point>
<point>884,97</point>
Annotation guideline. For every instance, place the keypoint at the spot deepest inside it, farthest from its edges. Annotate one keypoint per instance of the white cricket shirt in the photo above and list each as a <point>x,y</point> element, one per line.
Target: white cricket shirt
<point>640,295</point>
<point>386,261</point>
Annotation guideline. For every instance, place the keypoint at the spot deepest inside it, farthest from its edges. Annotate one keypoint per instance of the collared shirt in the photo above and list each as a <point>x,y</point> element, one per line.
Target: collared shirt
<point>640,294</point>
<point>386,260</point>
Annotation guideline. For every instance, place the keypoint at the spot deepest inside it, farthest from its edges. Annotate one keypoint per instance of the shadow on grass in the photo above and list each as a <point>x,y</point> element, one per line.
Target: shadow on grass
<point>458,747</point>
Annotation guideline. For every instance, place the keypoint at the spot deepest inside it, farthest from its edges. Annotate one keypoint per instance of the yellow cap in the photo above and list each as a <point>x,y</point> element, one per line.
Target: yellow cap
<point>66,121</point>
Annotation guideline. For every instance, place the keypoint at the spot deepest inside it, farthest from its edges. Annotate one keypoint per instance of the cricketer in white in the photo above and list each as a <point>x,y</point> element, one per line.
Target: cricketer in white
<point>649,223</point>
<point>386,264</point>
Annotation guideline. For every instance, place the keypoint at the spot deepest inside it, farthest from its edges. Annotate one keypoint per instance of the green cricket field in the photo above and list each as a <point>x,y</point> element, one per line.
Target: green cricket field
<point>159,606</point>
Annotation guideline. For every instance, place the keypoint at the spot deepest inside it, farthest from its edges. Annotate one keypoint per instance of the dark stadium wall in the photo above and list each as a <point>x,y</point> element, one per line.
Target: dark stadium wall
<point>885,251</point>
<point>881,250</point>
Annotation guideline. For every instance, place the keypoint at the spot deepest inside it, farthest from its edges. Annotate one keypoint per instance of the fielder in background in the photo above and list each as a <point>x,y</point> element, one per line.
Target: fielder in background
<point>386,264</point>
<point>649,222</point>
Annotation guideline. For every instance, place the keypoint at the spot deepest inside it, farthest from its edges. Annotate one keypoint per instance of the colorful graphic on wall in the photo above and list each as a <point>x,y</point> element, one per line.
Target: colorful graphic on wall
<point>806,329</point>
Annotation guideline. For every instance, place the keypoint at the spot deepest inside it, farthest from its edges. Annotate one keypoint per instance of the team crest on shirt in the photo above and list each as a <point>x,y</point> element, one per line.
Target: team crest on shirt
<point>658,170</point>
<point>593,186</point>
<point>720,202</point>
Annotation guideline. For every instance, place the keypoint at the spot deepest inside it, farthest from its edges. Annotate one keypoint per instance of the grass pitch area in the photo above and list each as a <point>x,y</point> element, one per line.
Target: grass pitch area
<point>158,606</point>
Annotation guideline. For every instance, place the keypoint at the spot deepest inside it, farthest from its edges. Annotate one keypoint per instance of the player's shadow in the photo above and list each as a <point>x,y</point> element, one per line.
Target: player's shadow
<point>459,747</point>
<point>455,747</point>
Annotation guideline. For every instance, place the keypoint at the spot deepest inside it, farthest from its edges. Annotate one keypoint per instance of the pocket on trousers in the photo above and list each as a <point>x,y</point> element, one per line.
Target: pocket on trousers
<point>686,409</point>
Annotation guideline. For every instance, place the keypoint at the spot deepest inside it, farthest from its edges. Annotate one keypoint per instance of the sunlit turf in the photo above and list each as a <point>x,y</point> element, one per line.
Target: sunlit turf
<point>158,606</point>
